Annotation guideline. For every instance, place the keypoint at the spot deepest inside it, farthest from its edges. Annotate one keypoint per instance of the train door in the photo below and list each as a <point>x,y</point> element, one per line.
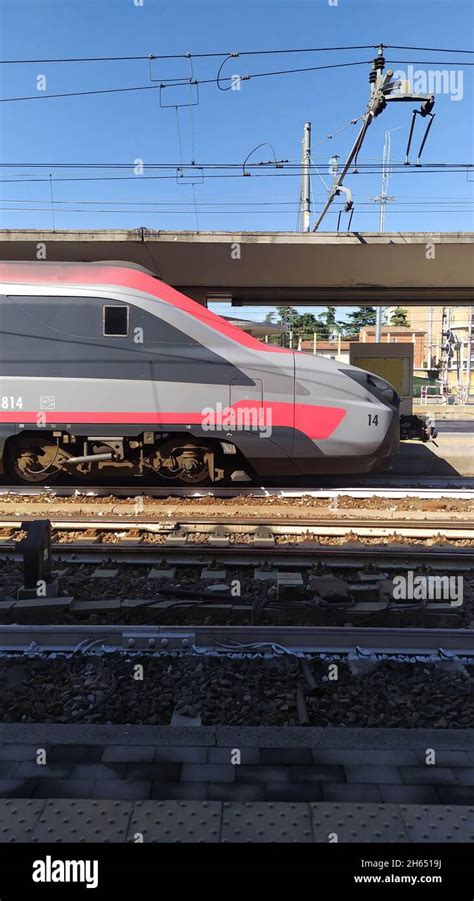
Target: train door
<point>246,407</point>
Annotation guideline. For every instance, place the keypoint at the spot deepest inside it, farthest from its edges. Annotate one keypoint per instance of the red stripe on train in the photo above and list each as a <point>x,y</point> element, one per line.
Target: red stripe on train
<point>316,422</point>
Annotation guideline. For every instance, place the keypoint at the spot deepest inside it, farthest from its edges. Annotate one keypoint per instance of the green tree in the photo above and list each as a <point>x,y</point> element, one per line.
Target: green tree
<point>304,325</point>
<point>363,316</point>
<point>399,317</point>
<point>288,316</point>
<point>270,317</point>
<point>329,323</point>
<point>331,319</point>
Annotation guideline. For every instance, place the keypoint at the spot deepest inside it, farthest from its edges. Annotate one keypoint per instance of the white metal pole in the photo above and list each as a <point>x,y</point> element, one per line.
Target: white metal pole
<point>305,200</point>
<point>383,199</point>
<point>469,354</point>
<point>430,339</point>
<point>378,323</point>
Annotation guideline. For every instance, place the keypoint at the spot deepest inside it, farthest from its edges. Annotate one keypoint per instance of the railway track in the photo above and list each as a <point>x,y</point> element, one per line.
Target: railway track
<point>356,556</point>
<point>363,642</point>
<point>84,533</point>
<point>283,537</point>
<point>462,487</point>
<point>286,547</point>
<point>330,585</point>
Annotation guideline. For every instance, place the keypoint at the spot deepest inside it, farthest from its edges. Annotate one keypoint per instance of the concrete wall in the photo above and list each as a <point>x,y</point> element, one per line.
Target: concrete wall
<point>274,267</point>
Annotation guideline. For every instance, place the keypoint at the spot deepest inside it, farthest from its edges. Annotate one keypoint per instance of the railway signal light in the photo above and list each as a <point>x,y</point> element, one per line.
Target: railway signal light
<point>450,343</point>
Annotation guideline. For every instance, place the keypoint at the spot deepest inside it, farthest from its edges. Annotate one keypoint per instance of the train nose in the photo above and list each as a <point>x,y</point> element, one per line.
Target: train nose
<point>390,445</point>
<point>377,386</point>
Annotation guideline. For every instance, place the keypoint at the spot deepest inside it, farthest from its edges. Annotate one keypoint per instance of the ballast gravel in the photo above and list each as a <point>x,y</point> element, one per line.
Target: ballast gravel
<point>113,688</point>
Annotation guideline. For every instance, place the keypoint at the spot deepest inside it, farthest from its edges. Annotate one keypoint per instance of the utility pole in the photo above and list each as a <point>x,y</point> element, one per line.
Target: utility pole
<point>305,190</point>
<point>430,339</point>
<point>469,355</point>
<point>383,198</point>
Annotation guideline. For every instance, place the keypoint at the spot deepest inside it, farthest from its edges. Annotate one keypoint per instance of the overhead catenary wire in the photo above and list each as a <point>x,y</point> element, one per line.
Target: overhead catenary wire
<point>219,203</point>
<point>189,55</point>
<point>196,210</point>
<point>425,49</point>
<point>170,83</point>
<point>217,206</point>
<point>228,53</point>
<point>173,83</point>
<point>371,164</point>
<point>412,170</point>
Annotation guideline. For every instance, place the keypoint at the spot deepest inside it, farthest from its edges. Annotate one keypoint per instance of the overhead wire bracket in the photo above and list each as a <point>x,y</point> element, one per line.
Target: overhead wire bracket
<point>183,179</point>
<point>427,131</point>
<point>187,82</point>
<point>382,91</point>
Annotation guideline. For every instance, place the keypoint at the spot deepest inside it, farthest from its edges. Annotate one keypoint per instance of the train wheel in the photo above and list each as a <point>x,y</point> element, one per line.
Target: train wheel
<point>184,464</point>
<point>33,464</point>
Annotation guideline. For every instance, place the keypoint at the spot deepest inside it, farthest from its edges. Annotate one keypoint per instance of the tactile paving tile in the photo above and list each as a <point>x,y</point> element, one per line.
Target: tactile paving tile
<point>18,819</point>
<point>83,821</point>
<point>358,822</point>
<point>176,821</point>
<point>257,821</point>
<point>438,823</point>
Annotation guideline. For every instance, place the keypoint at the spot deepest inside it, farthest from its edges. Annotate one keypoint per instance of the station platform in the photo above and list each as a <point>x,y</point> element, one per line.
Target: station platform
<point>221,764</point>
<point>451,455</point>
<point>445,412</point>
<point>104,821</point>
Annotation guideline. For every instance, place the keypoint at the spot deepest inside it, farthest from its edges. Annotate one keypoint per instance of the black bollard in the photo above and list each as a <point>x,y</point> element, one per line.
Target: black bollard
<point>36,550</point>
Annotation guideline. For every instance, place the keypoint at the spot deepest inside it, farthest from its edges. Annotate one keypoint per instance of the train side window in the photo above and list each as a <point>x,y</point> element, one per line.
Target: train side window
<point>116,321</point>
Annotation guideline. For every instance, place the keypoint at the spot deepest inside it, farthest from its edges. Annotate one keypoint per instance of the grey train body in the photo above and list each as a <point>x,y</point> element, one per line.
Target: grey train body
<point>93,354</point>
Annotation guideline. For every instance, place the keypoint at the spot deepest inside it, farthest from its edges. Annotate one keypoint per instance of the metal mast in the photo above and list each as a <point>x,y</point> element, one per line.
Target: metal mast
<point>305,191</point>
<point>383,198</point>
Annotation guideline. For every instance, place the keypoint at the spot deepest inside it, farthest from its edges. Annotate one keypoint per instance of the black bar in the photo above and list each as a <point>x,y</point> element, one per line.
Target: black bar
<point>137,868</point>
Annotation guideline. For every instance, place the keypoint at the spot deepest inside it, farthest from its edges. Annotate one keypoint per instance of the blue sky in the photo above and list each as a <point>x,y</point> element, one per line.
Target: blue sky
<point>224,126</point>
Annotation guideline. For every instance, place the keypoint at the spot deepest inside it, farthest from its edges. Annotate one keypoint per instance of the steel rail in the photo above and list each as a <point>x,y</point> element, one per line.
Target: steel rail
<point>322,527</point>
<point>278,524</point>
<point>359,640</point>
<point>456,488</point>
<point>400,557</point>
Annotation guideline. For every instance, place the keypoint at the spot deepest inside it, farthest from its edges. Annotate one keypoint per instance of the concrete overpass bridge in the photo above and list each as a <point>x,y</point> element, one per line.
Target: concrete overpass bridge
<point>277,267</point>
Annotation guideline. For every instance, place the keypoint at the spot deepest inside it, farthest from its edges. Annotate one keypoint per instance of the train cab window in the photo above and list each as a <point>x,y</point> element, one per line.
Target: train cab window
<point>116,321</point>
